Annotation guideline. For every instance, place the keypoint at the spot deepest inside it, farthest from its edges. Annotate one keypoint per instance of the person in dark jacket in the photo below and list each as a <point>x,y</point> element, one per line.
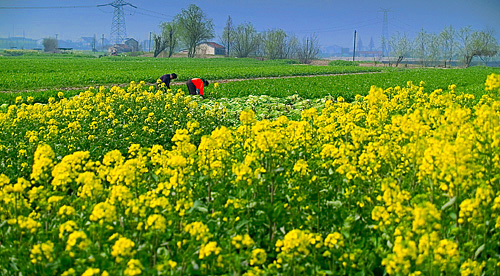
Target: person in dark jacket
<point>196,85</point>
<point>166,79</point>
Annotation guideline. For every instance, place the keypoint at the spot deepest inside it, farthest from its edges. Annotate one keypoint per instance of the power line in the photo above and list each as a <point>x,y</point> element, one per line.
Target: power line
<point>52,7</point>
<point>344,27</point>
<point>155,12</point>
<point>160,16</point>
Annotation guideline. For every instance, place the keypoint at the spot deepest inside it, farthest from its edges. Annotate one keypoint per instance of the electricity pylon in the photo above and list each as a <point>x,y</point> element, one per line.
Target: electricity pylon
<point>118,29</point>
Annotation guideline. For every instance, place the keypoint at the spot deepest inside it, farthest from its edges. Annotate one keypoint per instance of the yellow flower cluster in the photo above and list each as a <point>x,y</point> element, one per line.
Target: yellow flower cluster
<point>134,267</point>
<point>156,222</point>
<point>240,241</point>
<point>198,230</point>
<point>334,240</point>
<point>77,239</point>
<point>296,242</point>
<point>123,248</point>
<point>43,250</point>
<point>103,212</point>
<point>492,82</point>
<point>209,249</point>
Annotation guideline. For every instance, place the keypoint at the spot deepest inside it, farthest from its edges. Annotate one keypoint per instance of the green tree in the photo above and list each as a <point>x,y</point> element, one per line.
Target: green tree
<point>275,44</point>
<point>246,40</point>
<point>194,27</point>
<point>50,44</point>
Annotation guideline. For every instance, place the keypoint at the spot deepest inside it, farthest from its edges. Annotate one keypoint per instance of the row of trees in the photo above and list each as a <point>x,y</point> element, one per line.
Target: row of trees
<point>244,40</point>
<point>432,49</point>
<point>191,27</point>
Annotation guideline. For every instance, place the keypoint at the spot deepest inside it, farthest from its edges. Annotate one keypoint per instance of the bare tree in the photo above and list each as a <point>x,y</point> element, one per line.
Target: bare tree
<point>170,36</point>
<point>50,44</point>
<point>308,49</point>
<point>360,45</point>
<point>227,35</point>
<point>400,47</point>
<point>292,46</point>
<point>466,48</point>
<point>159,44</point>
<point>477,43</point>
<point>487,45</point>
<point>194,27</point>
<point>246,40</point>
<point>434,49</point>
<point>448,44</point>
<point>420,46</point>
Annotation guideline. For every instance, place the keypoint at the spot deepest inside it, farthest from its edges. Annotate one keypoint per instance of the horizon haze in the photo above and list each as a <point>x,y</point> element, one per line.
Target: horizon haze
<point>334,22</point>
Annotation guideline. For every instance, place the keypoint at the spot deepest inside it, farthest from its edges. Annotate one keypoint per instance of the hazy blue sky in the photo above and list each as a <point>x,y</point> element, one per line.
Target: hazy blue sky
<point>334,22</point>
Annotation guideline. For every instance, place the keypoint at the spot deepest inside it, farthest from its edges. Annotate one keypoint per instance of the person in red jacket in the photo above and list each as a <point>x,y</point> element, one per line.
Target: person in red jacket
<point>196,85</point>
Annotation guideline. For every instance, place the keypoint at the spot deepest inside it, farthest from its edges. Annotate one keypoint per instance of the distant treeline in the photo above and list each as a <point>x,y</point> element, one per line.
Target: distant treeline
<point>18,43</point>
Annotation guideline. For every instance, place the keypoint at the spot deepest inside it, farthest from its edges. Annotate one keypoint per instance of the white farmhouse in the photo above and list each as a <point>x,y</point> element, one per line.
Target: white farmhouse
<point>210,48</point>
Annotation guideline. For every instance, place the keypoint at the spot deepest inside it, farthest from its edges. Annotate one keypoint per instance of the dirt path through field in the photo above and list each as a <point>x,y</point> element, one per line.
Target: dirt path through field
<point>211,81</point>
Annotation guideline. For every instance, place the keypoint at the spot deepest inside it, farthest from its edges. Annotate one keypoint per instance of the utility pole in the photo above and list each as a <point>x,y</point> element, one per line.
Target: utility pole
<point>354,48</point>
<point>102,42</point>
<point>228,37</point>
<point>149,44</point>
<point>94,44</point>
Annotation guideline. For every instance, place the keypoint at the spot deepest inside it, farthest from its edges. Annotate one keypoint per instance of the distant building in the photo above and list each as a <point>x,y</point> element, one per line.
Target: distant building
<point>132,44</point>
<point>19,43</point>
<point>119,48</point>
<point>210,48</point>
<point>87,41</point>
<point>370,53</point>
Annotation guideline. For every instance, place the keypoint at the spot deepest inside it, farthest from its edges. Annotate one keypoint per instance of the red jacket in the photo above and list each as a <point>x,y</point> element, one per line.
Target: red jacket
<point>199,84</point>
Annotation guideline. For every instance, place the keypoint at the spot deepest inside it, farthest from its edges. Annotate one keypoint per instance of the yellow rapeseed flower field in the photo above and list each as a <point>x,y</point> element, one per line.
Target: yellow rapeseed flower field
<point>127,181</point>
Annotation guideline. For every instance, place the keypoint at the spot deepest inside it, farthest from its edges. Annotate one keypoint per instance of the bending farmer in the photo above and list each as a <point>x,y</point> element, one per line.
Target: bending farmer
<point>166,79</point>
<point>196,85</point>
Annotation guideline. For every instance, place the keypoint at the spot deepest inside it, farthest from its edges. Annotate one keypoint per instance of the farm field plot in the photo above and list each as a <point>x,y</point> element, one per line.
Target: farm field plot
<point>469,80</point>
<point>32,73</point>
<point>398,178</point>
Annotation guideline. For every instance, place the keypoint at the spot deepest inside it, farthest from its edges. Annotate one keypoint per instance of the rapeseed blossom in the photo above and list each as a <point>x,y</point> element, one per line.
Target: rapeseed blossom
<point>43,251</point>
<point>134,267</point>
<point>123,248</point>
<point>401,180</point>
<point>103,212</point>
<point>209,249</point>
<point>259,256</point>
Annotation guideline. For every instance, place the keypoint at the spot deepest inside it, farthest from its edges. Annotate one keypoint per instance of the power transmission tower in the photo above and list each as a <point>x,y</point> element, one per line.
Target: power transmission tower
<point>385,33</point>
<point>118,29</point>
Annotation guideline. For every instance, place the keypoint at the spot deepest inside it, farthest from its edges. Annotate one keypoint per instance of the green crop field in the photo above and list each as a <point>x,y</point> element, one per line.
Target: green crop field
<point>469,80</point>
<point>390,172</point>
<point>31,73</point>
